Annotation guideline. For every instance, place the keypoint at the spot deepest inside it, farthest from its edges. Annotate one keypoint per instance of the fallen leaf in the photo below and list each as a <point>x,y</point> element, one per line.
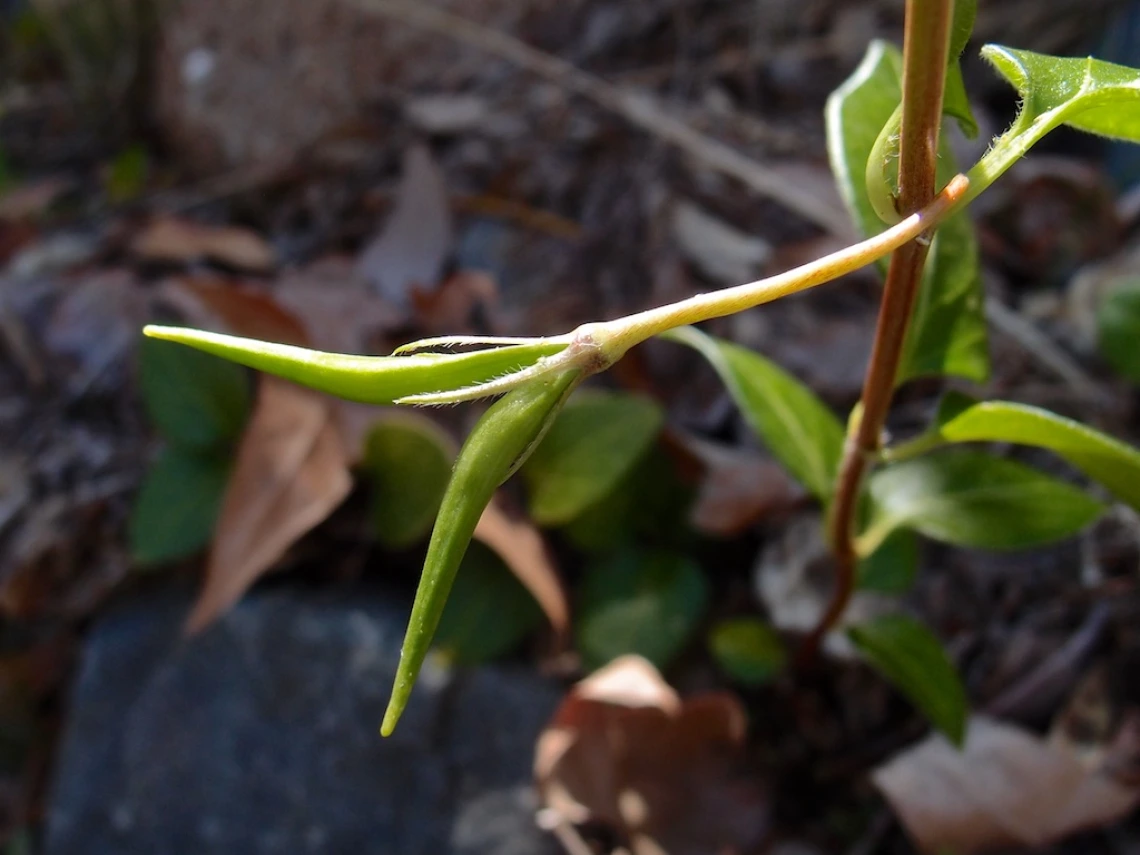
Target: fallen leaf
<point>794,577</point>
<point>1006,787</point>
<point>291,472</point>
<point>412,247</point>
<point>337,309</point>
<point>450,308</point>
<point>523,550</point>
<point>29,201</point>
<point>738,489</point>
<point>251,311</point>
<point>96,321</point>
<point>177,241</point>
<point>721,252</point>
<point>624,750</point>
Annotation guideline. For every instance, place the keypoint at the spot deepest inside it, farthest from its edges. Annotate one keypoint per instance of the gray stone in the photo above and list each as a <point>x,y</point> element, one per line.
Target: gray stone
<point>261,736</point>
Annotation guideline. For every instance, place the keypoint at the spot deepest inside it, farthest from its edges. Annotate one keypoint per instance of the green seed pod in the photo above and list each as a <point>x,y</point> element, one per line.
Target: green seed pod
<point>367,379</point>
<point>499,443</point>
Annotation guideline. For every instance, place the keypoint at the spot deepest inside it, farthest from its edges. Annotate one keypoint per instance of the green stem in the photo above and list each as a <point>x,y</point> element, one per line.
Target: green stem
<point>618,336</point>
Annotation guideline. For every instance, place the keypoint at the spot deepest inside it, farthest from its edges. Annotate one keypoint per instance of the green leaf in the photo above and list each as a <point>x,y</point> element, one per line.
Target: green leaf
<point>971,499</point>
<point>488,613</point>
<point>747,650</point>
<point>947,334</point>
<point>855,114</point>
<point>962,26</point>
<point>597,439</point>
<point>498,444</point>
<point>408,460</point>
<point>1118,329</point>
<point>893,567</point>
<point>912,659</point>
<point>798,428</point>
<point>651,504</point>
<point>1084,93</point>
<point>1098,455</point>
<point>196,401</point>
<point>639,602</point>
<point>176,508</point>
<point>366,379</point>
<point>127,176</point>
<point>956,103</point>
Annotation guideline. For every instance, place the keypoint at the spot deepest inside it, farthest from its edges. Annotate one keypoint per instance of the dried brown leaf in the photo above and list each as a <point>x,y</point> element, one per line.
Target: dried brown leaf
<point>523,550</point>
<point>238,308</point>
<point>450,308</point>
<point>624,750</point>
<point>177,241</point>
<point>412,247</point>
<point>738,489</point>
<point>291,472</point>
<point>28,201</point>
<point>1006,787</point>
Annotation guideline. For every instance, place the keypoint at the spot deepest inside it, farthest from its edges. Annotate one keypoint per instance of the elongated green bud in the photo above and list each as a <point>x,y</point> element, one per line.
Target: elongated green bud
<point>367,379</point>
<point>499,443</point>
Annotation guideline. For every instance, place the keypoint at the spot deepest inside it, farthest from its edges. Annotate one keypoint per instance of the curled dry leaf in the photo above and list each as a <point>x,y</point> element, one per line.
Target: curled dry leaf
<point>523,550</point>
<point>291,472</point>
<point>176,241</point>
<point>1006,787</point>
<point>624,750</point>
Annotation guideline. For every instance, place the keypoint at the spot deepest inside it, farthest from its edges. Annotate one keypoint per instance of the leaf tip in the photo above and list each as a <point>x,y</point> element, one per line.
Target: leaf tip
<point>392,714</point>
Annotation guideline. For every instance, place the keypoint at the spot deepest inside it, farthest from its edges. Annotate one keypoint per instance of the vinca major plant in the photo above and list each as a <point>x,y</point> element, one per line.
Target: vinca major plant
<point>897,179</point>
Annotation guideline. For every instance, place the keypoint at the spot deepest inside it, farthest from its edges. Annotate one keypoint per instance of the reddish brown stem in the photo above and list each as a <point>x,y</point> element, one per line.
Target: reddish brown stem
<point>925,46</point>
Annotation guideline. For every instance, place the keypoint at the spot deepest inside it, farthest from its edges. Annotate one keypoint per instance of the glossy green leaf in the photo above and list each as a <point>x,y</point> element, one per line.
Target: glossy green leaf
<point>1118,329</point>
<point>748,650</point>
<point>367,379</point>
<point>639,602</point>
<point>196,401</point>
<point>962,26</point>
<point>488,613</point>
<point>855,114</point>
<point>947,335</point>
<point>955,101</point>
<point>948,332</point>
<point>408,460</point>
<point>176,508</point>
<point>893,567</point>
<point>1084,93</point>
<point>798,428</point>
<point>596,440</point>
<point>972,499</point>
<point>1098,455</point>
<point>912,659</point>
<point>498,444</point>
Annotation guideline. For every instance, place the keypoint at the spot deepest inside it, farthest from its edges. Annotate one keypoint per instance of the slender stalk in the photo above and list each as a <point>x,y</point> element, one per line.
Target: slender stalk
<point>925,47</point>
<point>617,336</point>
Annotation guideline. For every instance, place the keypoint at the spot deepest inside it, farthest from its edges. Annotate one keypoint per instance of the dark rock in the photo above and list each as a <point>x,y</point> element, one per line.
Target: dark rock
<point>261,736</point>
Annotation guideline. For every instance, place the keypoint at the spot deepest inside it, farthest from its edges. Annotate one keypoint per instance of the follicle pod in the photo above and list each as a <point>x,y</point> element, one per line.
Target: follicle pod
<point>498,444</point>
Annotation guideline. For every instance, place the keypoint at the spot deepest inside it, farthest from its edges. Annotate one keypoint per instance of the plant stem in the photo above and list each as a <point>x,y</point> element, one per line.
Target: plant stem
<point>925,47</point>
<point>617,336</point>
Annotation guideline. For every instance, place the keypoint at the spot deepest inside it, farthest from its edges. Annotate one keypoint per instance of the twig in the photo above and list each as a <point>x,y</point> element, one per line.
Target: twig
<point>636,108</point>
